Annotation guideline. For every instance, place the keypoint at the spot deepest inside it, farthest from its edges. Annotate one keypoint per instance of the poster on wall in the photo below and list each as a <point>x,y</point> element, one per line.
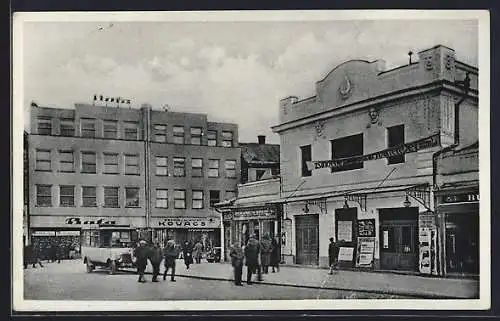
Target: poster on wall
<point>365,251</point>
<point>344,231</point>
<point>425,251</point>
<point>346,254</point>
<point>366,228</point>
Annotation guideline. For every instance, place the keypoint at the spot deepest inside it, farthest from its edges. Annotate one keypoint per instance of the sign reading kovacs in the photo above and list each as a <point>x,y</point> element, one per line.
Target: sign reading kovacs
<point>188,222</point>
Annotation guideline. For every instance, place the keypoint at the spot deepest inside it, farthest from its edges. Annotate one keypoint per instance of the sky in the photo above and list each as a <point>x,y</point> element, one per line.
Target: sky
<point>232,71</point>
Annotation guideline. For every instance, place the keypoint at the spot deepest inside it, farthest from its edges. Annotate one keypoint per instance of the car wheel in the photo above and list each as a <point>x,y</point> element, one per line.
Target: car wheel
<point>89,266</point>
<point>112,267</point>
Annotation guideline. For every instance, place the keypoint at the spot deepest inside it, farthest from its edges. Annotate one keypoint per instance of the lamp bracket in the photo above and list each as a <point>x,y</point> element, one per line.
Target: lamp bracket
<point>321,203</point>
<point>420,193</point>
<point>359,198</point>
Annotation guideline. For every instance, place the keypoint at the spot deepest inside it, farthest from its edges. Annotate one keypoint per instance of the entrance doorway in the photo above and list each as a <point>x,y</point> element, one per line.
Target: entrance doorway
<point>399,239</point>
<point>307,239</point>
<point>462,243</point>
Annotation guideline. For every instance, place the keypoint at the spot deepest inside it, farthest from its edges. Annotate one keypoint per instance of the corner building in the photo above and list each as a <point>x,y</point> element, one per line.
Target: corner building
<point>380,205</point>
<point>155,171</point>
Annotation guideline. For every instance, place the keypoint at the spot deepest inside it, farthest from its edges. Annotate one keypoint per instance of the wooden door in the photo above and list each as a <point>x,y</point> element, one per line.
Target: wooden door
<point>307,239</point>
<point>399,245</point>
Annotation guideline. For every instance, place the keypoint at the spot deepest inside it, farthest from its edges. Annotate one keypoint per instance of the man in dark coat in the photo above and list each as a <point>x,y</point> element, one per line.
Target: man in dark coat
<point>141,254</point>
<point>156,258</point>
<point>252,252</point>
<point>237,256</point>
<point>275,258</point>
<point>333,251</point>
<point>170,253</point>
<point>31,256</point>
<point>187,253</point>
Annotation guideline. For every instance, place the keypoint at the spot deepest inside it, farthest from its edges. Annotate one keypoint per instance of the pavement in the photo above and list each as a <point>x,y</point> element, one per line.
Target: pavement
<point>343,280</point>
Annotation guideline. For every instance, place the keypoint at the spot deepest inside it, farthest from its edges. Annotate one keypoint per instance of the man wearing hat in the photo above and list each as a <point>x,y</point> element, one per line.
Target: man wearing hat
<point>141,254</point>
<point>252,252</point>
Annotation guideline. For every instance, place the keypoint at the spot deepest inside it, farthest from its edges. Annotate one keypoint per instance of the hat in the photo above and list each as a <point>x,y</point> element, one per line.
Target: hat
<point>143,242</point>
<point>331,239</point>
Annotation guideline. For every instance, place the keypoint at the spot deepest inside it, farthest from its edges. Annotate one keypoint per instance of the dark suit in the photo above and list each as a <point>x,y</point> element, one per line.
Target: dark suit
<point>252,251</point>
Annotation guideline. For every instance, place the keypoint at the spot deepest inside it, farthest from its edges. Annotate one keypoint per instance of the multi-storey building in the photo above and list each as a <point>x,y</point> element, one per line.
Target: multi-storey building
<point>357,159</point>
<point>157,171</point>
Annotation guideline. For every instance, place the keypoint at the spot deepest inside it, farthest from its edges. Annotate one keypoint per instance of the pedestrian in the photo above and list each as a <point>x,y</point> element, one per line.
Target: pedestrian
<point>265,253</point>
<point>275,258</point>
<point>156,258</point>
<point>333,252</point>
<point>170,253</point>
<point>237,256</point>
<point>31,256</point>
<point>252,252</point>
<point>141,254</point>
<point>188,254</point>
<point>197,252</point>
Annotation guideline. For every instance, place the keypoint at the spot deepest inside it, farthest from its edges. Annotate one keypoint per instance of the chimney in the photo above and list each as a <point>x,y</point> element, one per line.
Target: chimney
<point>262,139</point>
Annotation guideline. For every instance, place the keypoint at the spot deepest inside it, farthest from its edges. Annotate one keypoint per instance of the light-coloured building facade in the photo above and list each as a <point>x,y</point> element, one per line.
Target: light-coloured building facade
<point>390,122</point>
<point>155,171</point>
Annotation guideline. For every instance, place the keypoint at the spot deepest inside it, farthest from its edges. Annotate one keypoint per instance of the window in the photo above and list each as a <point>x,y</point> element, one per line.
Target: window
<point>179,167</point>
<point>161,166</point>
<point>178,135</point>
<point>44,126</point>
<point>227,139</point>
<point>197,167</point>
<point>275,171</point>
<point>131,130</point>
<point>197,200</point>
<point>161,198</point>
<point>160,133</point>
<point>213,168</point>
<point>89,198</point>
<point>214,197</point>
<point>66,195</point>
<point>212,138</point>
<point>131,197</point>
<point>111,163</point>
<point>195,135</point>
<point>43,162</point>
<point>88,162</point>
<point>179,198</point>
<point>66,161</point>
<point>67,127</point>
<point>230,166</point>
<point>44,195</point>
<point>88,127</point>
<point>349,146</point>
<point>305,155</point>
<point>131,164</point>
<point>395,137</point>
<point>110,129</point>
<point>230,195</point>
<point>111,196</point>
<point>259,173</point>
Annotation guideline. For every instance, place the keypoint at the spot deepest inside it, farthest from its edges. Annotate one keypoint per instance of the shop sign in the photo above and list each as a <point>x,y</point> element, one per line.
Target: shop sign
<point>80,221</point>
<point>261,213</point>
<point>72,222</point>
<point>68,233</point>
<point>365,252</point>
<point>425,251</point>
<point>461,198</point>
<point>366,228</point>
<point>196,222</point>
<point>346,254</point>
<point>43,233</point>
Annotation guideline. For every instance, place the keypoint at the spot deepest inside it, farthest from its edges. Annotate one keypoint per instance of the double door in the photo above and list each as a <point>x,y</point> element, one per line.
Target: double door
<point>307,239</point>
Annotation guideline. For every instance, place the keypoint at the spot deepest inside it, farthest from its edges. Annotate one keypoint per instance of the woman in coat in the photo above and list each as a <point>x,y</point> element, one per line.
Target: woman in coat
<point>275,259</point>
<point>265,255</point>
<point>187,252</point>
<point>197,253</point>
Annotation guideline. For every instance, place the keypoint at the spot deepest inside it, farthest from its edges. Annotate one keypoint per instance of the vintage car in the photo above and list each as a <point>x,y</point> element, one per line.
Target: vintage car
<point>108,246</point>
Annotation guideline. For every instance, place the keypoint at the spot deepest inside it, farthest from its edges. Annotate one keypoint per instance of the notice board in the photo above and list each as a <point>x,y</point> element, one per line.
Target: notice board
<point>365,252</point>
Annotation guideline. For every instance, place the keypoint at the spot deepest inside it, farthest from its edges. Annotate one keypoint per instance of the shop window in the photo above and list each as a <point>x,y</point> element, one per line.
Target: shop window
<point>197,200</point>
<point>131,164</point>
<point>131,130</point>
<point>160,133</point>
<point>179,167</point>
<point>178,134</point>
<point>44,126</point>
<point>44,195</point>
<point>197,167</point>
<point>230,167</point>
<point>66,161</point>
<point>88,162</point>
<point>227,139</point>
<point>111,163</point>
<point>345,147</point>
<point>111,197</point>
<point>161,198</point>
<point>67,127</point>
<point>66,195</point>
<point>230,195</point>
<point>212,138</point>
<point>407,245</point>
<point>179,199</point>
<point>110,129</point>
<point>43,160</point>
<point>161,166</point>
<point>87,127</point>
<point>396,137</point>
<point>131,197</point>
<point>195,136</point>
<point>213,168</point>
<point>214,197</point>
<point>89,196</point>
<point>305,156</point>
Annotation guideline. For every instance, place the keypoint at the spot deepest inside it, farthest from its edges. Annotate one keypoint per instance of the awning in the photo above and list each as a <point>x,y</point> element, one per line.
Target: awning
<point>256,200</point>
<point>459,208</point>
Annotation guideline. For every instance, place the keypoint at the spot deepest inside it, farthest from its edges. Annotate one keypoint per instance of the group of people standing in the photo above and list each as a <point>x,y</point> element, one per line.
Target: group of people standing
<point>258,256</point>
<point>169,253</point>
